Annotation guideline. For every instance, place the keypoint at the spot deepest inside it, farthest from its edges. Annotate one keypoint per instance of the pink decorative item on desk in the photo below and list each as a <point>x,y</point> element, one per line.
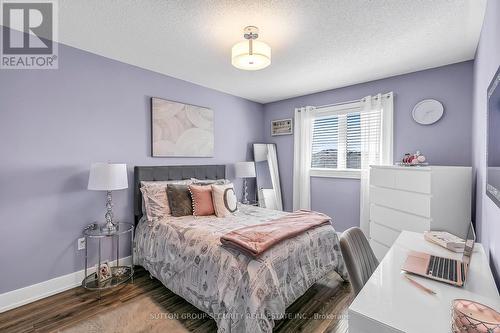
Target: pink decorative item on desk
<point>472,317</point>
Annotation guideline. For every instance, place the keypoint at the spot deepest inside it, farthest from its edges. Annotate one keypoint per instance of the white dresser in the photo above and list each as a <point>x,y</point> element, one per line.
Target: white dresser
<point>417,199</point>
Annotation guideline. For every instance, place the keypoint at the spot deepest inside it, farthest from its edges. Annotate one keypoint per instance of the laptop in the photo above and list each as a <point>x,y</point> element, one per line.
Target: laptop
<point>442,269</point>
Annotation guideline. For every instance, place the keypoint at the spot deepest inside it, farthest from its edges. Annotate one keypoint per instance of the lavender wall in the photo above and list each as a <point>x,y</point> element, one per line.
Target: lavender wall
<point>485,65</point>
<point>54,123</point>
<point>447,142</point>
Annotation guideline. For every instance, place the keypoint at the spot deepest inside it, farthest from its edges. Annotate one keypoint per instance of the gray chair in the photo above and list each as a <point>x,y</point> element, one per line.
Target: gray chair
<point>358,256</point>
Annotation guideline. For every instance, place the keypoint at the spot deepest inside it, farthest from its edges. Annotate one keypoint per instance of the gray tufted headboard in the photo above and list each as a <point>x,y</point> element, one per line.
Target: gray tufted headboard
<point>174,172</point>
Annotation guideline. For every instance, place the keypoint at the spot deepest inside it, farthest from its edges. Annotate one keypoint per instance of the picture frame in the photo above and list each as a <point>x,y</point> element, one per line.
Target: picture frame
<point>181,130</point>
<point>282,127</point>
<point>105,272</point>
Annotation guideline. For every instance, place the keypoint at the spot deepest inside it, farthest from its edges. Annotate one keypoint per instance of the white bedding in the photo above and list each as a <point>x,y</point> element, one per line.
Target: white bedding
<point>240,293</point>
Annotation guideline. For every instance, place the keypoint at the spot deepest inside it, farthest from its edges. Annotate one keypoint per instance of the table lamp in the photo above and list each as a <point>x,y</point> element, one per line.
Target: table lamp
<point>108,177</point>
<point>245,170</point>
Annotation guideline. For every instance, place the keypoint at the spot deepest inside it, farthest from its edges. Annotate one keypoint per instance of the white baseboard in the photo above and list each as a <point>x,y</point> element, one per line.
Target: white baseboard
<point>22,296</point>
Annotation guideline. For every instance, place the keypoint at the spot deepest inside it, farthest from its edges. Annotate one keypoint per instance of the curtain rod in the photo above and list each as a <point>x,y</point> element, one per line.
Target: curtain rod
<point>349,102</point>
<point>335,104</point>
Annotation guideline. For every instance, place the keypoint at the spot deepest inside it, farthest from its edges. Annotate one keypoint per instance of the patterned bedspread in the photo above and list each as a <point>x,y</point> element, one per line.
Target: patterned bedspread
<point>240,293</point>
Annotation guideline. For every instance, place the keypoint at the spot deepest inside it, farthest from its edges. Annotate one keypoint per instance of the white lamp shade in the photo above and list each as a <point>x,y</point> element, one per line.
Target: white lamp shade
<point>108,177</point>
<point>244,169</point>
<point>259,59</point>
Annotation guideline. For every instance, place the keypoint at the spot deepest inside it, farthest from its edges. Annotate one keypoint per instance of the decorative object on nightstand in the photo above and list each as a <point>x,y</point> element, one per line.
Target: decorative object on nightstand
<point>108,177</point>
<point>103,273</point>
<point>245,170</point>
<point>107,276</point>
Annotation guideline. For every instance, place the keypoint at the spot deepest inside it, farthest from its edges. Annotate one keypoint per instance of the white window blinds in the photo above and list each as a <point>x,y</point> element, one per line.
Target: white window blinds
<point>342,137</point>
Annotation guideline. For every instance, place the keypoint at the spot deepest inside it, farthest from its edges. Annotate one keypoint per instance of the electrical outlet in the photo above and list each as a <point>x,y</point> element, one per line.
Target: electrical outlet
<point>81,243</point>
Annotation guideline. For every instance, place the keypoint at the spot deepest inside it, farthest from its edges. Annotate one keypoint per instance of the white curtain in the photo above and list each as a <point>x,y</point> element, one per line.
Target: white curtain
<point>302,157</point>
<point>376,145</point>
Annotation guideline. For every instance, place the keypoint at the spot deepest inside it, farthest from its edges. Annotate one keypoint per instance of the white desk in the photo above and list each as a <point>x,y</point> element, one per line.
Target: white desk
<point>390,303</point>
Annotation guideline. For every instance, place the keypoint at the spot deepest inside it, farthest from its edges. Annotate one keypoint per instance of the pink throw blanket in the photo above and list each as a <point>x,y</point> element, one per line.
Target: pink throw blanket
<point>256,239</point>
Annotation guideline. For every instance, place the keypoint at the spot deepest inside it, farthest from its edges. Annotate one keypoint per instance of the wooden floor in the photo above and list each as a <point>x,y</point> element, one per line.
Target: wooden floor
<point>321,309</point>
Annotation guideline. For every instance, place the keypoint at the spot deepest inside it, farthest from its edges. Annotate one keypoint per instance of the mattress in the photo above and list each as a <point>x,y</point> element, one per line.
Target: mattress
<point>241,294</point>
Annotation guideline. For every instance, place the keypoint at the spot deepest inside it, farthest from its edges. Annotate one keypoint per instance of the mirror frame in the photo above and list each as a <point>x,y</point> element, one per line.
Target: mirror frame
<point>279,173</point>
<point>493,86</point>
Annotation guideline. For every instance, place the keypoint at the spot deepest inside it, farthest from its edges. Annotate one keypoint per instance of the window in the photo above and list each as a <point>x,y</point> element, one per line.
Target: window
<point>337,142</point>
<point>336,149</point>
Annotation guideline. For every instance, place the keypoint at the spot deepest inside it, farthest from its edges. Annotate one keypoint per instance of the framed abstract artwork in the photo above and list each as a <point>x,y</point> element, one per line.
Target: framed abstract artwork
<point>181,130</point>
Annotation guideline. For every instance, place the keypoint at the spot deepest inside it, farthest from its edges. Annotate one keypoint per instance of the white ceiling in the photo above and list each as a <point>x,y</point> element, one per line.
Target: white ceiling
<point>316,45</point>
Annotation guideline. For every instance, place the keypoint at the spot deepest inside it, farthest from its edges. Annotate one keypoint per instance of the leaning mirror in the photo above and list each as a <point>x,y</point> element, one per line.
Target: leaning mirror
<point>493,152</point>
<point>267,174</point>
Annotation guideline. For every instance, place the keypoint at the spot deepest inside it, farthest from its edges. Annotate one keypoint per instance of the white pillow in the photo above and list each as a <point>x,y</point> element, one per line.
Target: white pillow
<point>224,199</point>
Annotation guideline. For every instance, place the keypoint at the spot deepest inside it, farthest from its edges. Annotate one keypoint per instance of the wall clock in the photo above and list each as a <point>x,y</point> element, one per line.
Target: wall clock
<point>427,112</point>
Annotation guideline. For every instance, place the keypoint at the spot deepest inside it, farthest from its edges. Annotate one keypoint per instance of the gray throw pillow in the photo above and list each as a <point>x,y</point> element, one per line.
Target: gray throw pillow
<point>179,200</point>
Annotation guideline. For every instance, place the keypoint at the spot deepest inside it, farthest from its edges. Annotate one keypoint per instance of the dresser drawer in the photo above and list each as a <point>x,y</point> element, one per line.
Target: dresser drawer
<point>410,202</point>
<point>382,234</point>
<point>407,180</point>
<point>398,220</point>
<point>382,177</point>
<point>379,250</point>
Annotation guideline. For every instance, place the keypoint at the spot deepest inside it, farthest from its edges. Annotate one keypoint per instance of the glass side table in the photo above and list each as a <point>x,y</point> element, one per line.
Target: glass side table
<point>119,273</point>
<point>250,203</point>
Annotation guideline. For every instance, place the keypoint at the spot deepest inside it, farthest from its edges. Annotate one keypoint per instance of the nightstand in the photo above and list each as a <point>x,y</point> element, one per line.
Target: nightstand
<point>119,273</point>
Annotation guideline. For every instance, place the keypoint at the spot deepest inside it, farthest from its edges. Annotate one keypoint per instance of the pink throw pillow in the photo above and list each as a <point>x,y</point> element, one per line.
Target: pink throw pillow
<point>202,200</point>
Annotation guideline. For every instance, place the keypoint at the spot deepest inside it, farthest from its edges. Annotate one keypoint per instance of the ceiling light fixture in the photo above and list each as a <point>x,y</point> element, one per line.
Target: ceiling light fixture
<point>251,55</point>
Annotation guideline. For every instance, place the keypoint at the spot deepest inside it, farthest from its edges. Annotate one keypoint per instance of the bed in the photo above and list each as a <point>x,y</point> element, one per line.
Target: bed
<point>241,294</point>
